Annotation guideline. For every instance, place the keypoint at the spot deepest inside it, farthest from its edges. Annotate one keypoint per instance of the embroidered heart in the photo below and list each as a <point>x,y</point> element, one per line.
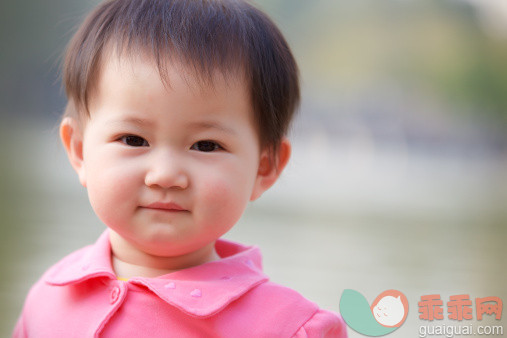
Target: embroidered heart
<point>196,293</point>
<point>170,285</point>
<point>250,263</point>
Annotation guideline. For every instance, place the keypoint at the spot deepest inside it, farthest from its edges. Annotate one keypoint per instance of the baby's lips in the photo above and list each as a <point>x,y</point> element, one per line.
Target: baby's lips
<point>167,206</point>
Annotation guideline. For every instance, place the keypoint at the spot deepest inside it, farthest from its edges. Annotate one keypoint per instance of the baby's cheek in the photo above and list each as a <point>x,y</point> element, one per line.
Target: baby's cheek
<point>223,201</point>
<point>110,193</point>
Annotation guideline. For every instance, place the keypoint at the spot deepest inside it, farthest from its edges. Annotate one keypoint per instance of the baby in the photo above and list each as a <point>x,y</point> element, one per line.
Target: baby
<point>176,118</point>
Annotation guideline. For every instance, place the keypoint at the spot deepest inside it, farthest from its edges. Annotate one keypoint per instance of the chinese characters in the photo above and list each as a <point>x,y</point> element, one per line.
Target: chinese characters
<point>459,307</point>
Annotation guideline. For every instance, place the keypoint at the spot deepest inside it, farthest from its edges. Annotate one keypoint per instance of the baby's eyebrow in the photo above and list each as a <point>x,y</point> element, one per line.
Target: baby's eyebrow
<point>132,120</point>
<point>212,125</point>
<point>199,125</point>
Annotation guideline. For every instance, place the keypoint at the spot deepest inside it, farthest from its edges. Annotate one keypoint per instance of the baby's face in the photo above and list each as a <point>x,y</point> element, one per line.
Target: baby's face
<point>169,169</point>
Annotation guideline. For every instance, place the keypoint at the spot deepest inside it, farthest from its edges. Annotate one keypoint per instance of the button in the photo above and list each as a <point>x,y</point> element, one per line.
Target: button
<point>115,294</point>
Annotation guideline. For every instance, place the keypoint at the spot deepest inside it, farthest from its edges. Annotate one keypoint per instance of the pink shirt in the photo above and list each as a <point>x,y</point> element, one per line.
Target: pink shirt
<point>81,297</point>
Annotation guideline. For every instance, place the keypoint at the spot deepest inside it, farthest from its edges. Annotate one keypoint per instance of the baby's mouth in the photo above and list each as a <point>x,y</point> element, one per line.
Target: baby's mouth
<point>166,206</point>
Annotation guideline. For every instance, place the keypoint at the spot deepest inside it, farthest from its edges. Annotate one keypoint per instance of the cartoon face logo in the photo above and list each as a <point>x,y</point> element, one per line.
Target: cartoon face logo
<point>385,314</point>
<point>390,308</point>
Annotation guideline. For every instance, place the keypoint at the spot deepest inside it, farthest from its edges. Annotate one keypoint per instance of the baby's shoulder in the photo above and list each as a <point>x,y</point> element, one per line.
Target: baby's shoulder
<point>76,266</point>
<point>282,296</point>
<point>275,306</point>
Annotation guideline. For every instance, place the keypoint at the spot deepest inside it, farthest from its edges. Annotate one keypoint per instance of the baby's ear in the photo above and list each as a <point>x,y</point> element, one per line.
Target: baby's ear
<point>72,139</point>
<point>270,168</point>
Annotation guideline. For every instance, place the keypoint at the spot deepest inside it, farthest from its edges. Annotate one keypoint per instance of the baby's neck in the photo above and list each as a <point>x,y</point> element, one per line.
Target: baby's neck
<point>128,262</point>
<point>125,270</point>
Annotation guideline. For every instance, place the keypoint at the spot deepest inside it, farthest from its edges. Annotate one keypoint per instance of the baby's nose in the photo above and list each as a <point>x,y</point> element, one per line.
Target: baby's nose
<point>167,170</point>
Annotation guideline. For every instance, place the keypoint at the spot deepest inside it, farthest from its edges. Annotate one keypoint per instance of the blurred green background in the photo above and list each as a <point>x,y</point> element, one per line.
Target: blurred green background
<point>399,173</point>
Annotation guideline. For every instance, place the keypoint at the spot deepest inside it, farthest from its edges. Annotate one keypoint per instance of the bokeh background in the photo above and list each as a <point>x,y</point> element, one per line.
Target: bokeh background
<point>399,173</point>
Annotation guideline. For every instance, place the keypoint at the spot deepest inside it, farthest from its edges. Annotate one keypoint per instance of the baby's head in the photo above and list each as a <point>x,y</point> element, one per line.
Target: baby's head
<point>177,116</point>
<point>206,39</point>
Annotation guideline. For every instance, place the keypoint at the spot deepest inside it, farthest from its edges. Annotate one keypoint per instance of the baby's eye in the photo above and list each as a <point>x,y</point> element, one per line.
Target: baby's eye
<point>206,146</point>
<point>134,141</point>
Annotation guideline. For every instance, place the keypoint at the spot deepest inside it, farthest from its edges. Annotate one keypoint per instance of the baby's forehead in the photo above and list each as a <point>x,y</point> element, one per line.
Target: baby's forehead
<point>125,83</point>
<point>138,65</point>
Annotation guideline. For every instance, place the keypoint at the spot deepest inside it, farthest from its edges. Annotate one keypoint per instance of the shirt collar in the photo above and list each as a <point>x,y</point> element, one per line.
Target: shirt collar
<point>200,291</point>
